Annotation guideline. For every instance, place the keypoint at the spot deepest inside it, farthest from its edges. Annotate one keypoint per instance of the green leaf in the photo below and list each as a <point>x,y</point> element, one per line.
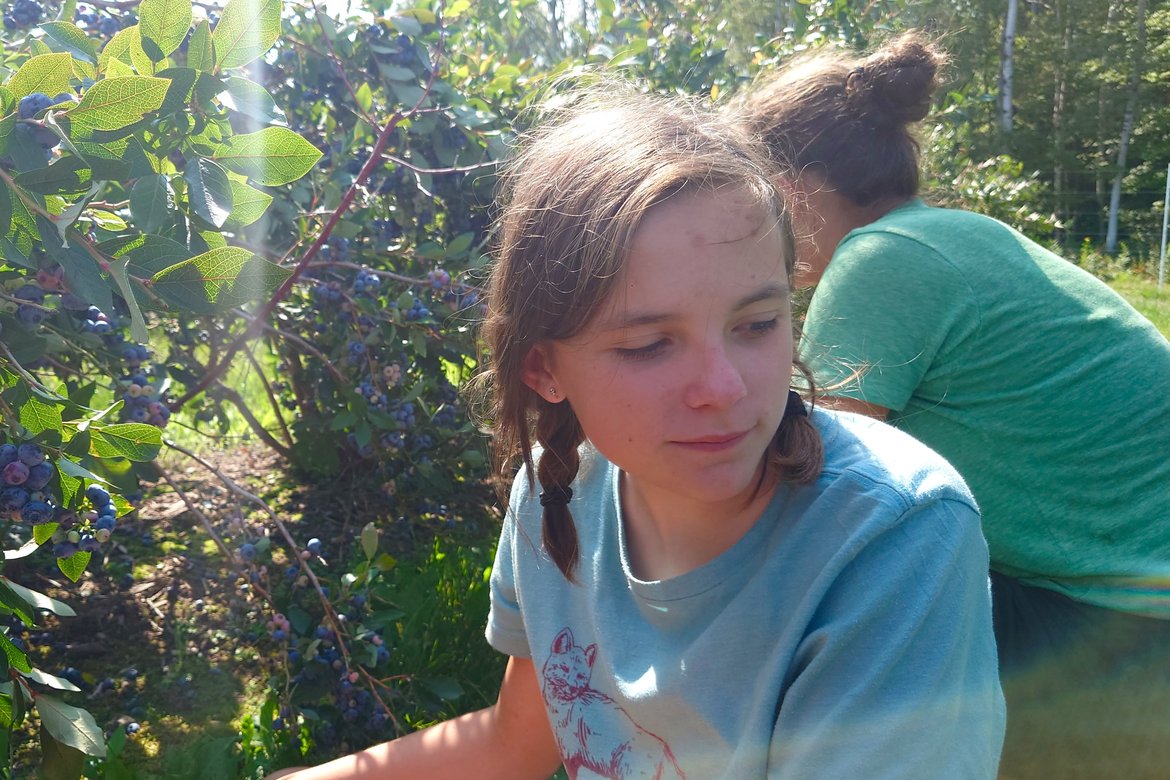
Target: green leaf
<point>364,96</point>
<point>218,280</point>
<point>114,103</point>
<point>125,47</point>
<point>200,55</point>
<point>446,688</point>
<point>246,29</point>
<point>68,175</point>
<point>164,25</point>
<point>146,254</point>
<point>209,192</point>
<point>16,603</point>
<point>272,156</point>
<point>134,441</point>
<point>51,680</point>
<point>40,600</point>
<point>248,204</point>
<point>76,470</point>
<point>25,550</point>
<point>406,24</point>
<point>16,657</point>
<point>38,415</point>
<point>72,39</point>
<point>83,277</point>
<point>152,203</point>
<point>7,710</point>
<point>44,532</point>
<point>137,322</point>
<point>48,73</point>
<point>58,761</point>
<point>74,566</point>
<point>249,98</point>
<point>71,726</point>
<point>369,538</point>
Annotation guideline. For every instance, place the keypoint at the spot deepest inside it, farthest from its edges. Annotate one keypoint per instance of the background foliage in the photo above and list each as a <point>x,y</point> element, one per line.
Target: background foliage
<point>266,222</point>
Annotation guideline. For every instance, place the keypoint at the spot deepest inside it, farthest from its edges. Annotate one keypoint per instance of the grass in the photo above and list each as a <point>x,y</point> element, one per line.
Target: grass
<point>1143,294</point>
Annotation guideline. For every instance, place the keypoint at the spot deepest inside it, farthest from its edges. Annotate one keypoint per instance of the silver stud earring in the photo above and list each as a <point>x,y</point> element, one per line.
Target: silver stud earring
<point>552,391</point>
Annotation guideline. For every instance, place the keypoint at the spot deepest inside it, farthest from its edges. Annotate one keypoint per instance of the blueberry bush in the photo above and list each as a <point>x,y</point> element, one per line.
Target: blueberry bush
<point>120,175</point>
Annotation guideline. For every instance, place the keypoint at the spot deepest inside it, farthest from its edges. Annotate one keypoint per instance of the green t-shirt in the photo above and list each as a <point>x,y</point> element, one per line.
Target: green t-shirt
<point>1045,389</point>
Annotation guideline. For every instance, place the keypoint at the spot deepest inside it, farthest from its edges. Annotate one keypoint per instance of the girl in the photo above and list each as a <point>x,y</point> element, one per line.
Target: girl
<point>1042,386</point>
<point>699,576</point>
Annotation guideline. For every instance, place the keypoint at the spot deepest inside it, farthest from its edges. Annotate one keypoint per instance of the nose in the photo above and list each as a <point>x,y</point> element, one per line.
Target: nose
<point>717,381</point>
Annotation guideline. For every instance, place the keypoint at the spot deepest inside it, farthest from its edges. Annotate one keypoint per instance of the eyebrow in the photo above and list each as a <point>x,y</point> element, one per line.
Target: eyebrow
<point>635,320</point>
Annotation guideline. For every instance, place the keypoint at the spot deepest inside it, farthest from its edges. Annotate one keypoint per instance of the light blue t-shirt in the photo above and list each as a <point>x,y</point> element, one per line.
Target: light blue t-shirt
<point>847,634</point>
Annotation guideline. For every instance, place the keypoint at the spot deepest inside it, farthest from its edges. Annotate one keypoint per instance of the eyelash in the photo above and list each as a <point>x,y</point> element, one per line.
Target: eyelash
<point>650,350</point>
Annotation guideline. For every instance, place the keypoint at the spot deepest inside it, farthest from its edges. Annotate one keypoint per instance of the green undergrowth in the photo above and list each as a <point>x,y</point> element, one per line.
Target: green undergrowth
<point>1142,292</point>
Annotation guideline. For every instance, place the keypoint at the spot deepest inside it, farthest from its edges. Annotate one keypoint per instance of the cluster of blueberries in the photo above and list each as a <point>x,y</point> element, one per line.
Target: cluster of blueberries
<point>98,526</point>
<point>88,17</point>
<point>26,473</point>
<point>143,402</point>
<point>351,701</point>
<point>27,110</point>
<point>23,14</point>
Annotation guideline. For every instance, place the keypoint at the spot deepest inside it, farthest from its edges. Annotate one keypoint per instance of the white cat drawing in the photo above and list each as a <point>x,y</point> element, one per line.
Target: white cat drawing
<point>594,733</point>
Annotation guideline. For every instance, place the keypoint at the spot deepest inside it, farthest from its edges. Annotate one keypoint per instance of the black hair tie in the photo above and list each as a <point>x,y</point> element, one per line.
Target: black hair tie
<point>794,408</point>
<point>557,496</point>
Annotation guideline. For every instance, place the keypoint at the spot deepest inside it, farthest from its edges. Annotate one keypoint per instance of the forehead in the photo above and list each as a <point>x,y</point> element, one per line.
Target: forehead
<point>706,250</point>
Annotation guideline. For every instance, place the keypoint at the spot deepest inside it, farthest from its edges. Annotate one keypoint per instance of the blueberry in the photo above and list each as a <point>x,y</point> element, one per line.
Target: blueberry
<point>30,316</point>
<point>8,453</point>
<point>36,512</point>
<point>39,475</point>
<point>314,546</point>
<point>31,105</point>
<point>98,496</point>
<point>31,454</point>
<point>132,728</point>
<point>15,473</point>
<point>247,551</point>
<point>13,499</point>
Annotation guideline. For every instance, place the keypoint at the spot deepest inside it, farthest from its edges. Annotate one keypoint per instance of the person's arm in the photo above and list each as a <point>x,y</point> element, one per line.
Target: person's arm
<point>511,740</point>
<point>897,677</point>
<point>842,403</point>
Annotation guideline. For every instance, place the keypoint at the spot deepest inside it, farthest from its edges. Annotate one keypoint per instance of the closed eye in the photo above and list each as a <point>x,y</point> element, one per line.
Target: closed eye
<point>764,326</point>
<point>641,353</point>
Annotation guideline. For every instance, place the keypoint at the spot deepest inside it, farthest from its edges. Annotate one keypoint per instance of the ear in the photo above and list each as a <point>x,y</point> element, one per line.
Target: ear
<point>563,641</point>
<point>537,373</point>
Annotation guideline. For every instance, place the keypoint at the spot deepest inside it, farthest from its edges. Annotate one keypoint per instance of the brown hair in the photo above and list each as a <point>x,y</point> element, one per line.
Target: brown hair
<point>849,119</point>
<point>572,199</point>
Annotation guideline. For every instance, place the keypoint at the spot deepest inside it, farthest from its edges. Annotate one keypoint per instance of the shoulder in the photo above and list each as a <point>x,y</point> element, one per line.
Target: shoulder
<point>892,467</point>
<point>912,245</point>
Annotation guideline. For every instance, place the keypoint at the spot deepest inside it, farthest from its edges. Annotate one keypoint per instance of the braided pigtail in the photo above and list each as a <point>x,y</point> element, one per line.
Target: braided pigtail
<point>560,434</point>
<point>797,451</point>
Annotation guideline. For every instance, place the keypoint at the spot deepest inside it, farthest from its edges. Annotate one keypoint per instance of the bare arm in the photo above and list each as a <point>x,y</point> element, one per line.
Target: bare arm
<point>842,404</point>
<point>511,740</point>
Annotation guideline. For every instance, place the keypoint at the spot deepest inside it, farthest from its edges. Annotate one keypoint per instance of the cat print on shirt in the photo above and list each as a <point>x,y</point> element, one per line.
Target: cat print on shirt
<point>593,732</point>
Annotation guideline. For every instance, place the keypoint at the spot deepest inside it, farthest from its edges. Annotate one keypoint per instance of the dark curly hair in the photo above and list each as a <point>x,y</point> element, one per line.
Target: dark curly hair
<point>849,120</point>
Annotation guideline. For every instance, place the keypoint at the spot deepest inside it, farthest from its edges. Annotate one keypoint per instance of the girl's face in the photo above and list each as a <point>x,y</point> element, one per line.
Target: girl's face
<point>681,378</point>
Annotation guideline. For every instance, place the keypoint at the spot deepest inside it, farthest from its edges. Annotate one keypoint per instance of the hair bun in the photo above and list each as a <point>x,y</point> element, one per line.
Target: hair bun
<point>896,82</point>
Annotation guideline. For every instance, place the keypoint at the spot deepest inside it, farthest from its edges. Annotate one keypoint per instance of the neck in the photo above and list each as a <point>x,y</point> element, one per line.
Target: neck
<point>668,535</point>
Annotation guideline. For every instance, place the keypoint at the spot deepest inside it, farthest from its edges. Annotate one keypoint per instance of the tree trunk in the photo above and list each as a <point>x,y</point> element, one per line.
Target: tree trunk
<point>1101,178</point>
<point>1059,96</point>
<point>1127,122</point>
<point>1007,64</point>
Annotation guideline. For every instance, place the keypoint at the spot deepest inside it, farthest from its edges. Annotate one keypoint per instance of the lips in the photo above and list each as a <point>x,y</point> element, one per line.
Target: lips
<point>714,442</point>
